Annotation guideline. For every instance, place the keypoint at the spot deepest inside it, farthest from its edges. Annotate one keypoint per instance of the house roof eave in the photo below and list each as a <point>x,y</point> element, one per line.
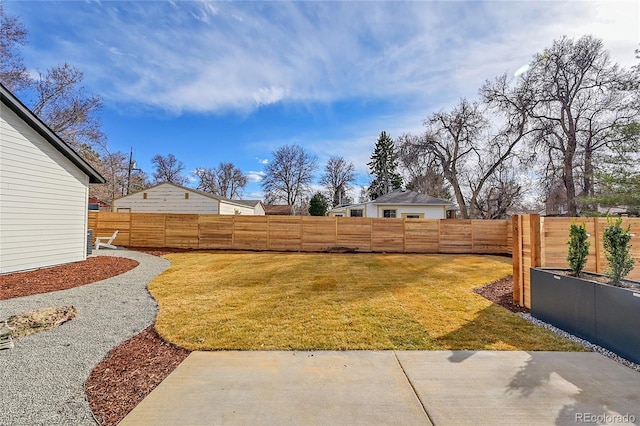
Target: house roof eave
<point>20,109</point>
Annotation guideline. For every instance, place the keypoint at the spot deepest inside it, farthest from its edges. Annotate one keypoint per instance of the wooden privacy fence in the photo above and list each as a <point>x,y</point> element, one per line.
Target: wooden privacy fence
<point>542,242</point>
<point>304,233</point>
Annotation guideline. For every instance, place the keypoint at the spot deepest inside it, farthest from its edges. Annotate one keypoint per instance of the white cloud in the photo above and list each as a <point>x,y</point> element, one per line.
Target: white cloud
<point>253,176</point>
<point>262,161</point>
<point>269,95</point>
<point>238,56</point>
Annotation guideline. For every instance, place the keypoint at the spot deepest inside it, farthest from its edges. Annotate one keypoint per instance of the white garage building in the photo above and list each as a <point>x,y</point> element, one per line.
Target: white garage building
<point>171,198</point>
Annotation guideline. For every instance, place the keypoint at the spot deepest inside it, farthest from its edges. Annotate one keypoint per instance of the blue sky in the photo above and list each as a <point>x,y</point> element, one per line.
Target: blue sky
<point>233,81</point>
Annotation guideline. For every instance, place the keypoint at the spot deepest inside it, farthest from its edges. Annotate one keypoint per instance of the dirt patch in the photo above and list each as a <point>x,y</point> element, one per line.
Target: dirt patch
<point>501,293</point>
<point>63,277</point>
<point>130,372</point>
<point>31,322</point>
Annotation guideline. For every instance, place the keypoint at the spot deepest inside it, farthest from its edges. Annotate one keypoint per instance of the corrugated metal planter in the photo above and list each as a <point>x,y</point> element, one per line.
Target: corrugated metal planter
<point>603,314</point>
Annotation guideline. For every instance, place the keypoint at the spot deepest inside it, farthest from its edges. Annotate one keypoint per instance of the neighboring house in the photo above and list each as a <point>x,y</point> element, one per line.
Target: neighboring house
<point>256,205</point>
<point>44,188</point>
<point>171,198</point>
<point>400,204</point>
<point>97,205</point>
<point>622,211</point>
<point>278,209</point>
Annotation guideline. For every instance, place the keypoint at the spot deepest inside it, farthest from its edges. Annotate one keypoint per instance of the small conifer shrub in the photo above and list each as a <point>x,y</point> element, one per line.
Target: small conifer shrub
<point>578,247</point>
<point>618,250</point>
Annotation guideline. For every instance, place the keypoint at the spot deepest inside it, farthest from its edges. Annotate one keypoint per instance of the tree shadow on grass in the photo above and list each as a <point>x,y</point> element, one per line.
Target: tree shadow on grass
<point>495,328</point>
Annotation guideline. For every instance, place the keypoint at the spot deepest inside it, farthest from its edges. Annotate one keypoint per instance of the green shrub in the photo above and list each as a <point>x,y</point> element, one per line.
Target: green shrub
<point>618,250</point>
<point>578,247</point>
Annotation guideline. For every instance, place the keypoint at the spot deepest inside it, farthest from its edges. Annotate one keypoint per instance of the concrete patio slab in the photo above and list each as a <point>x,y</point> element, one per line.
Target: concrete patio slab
<point>393,388</point>
<point>523,388</point>
<point>283,388</point>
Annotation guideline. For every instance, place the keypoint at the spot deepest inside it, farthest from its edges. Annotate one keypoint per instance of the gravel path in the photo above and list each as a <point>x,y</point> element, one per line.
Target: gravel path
<point>42,378</point>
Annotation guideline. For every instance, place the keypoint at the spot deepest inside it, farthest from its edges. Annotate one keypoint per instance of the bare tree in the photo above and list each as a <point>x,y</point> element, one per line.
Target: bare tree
<point>338,178</point>
<point>579,101</point>
<point>226,180</point>
<point>115,169</point>
<point>13,35</point>
<point>289,174</point>
<point>61,102</point>
<point>420,167</point>
<point>60,99</point>
<point>168,169</point>
<point>67,109</point>
<point>500,193</point>
<point>451,139</point>
<point>207,180</point>
<point>364,195</point>
<point>470,149</point>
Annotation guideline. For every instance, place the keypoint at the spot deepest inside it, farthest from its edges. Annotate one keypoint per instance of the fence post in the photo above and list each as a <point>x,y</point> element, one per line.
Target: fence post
<point>534,228</point>
<point>516,241</point>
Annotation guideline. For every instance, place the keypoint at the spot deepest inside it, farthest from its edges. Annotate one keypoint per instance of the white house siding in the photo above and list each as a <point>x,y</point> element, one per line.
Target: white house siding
<point>166,198</point>
<point>231,208</point>
<point>258,210</point>
<point>429,212</point>
<point>43,200</point>
<point>377,210</point>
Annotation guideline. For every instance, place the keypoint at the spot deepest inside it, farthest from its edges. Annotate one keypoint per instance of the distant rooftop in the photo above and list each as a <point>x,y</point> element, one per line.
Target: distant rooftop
<point>399,196</point>
<point>277,209</point>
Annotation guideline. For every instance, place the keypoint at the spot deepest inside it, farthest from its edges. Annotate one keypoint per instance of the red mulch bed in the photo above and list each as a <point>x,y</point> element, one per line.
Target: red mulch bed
<point>63,277</point>
<point>501,293</point>
<point>128,373</point>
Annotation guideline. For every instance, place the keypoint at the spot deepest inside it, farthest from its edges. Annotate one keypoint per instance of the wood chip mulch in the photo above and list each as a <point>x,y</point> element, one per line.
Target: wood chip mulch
<point>128,373</point>
<point>501,293</point>
<point>63,277</point>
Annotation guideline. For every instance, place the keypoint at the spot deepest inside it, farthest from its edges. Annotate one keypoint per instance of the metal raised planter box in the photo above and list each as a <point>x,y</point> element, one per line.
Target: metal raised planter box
<point>606,315</point>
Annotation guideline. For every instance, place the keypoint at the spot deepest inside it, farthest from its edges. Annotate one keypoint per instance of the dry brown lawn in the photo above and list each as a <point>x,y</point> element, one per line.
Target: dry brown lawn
<point>310,301</point>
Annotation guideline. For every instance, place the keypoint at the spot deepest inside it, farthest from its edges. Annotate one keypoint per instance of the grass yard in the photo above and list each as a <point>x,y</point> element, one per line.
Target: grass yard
<point>305,301</point>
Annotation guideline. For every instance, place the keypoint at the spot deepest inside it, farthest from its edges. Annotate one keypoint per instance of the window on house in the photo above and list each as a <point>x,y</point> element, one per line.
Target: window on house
<point>186,195</point>
<point>144,195</point>
<point>356,213</point>
<point>389,213</point>
<point>413,215</point>
<point>338,215</point>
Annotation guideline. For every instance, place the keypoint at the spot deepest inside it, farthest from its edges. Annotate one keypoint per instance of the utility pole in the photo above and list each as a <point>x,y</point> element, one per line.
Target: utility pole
<point>132,166</point>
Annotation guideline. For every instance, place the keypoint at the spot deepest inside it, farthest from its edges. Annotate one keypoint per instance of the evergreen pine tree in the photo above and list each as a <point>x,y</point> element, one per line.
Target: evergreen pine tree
<point>384,167</point>
<point>318,205</point>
